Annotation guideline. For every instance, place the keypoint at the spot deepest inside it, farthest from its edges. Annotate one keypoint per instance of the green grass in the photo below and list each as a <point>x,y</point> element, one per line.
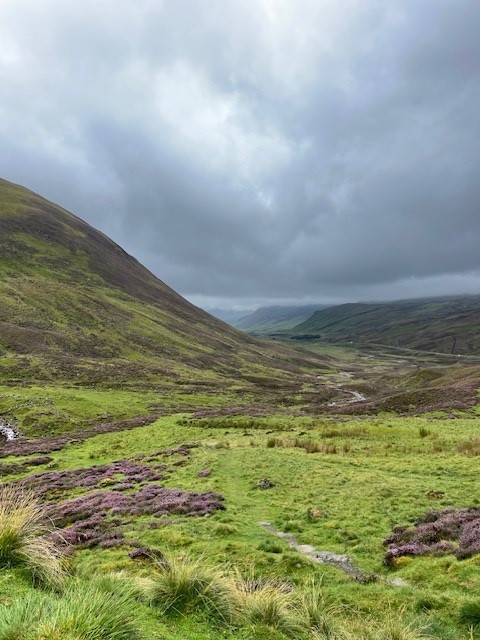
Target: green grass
<point>345,502</point>
<point>82,611</point>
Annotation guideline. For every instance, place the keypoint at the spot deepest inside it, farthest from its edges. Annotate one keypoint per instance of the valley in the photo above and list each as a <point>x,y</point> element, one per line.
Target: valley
<point>193,481</point>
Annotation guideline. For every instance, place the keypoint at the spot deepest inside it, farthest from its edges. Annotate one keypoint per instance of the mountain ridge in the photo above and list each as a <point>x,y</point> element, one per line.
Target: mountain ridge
<point>275,317</point>
<point>448,324</point>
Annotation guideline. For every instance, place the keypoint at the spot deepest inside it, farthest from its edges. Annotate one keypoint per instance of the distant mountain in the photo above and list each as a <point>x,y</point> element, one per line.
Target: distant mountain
<point>276,318</point>
<point>227,315</point>
<point>445,325</point>
<point>74,305</point>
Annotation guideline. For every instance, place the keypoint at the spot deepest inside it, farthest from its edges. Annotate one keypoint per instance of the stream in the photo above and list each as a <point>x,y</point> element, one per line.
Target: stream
<point>8,431</point>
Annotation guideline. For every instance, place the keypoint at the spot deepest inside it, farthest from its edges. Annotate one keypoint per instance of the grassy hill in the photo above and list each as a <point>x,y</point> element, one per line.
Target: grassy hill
<point>445,325</point>
<point>67,290</point>
<point>77,310</point>
<point>275,318</point>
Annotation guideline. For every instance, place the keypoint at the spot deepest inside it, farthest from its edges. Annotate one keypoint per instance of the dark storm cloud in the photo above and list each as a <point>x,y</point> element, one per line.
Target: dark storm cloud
<point>251,151</point>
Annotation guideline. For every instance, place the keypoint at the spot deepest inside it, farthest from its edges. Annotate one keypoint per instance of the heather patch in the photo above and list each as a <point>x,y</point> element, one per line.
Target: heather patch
<point>123,489</point>
<point>118,476</point>
<point>96,518</point>
<point>22,467</point>
<point>437,533</point>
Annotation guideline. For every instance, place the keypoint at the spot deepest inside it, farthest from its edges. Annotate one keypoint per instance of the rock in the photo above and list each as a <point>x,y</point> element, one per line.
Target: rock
<point>265,483</point>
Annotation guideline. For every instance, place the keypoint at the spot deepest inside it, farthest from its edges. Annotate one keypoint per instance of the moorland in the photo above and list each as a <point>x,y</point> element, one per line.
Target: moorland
<point>187,480</point>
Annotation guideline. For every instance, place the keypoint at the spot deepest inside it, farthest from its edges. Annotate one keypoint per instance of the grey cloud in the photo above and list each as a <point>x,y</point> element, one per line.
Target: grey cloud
<point>256,151</point>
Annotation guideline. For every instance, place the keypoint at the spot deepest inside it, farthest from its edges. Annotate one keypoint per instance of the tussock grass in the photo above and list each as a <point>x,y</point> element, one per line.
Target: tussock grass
<point>183,585</point>
<point>470,613</point>
<point>83,611</point>
<point>344,431</point>
<point>265,602</point>
<point>268,606</point>
<point>310,446</point>
<point>470,447</point>
<point>315,613</point>
<point>24,540</point>
<point>394,627</point>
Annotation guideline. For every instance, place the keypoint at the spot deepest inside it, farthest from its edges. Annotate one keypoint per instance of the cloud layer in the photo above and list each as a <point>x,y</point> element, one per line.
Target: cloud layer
<point>256,150</point>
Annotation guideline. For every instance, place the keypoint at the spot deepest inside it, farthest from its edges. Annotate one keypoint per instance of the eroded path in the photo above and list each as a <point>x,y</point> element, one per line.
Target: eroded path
<point>337,560</point>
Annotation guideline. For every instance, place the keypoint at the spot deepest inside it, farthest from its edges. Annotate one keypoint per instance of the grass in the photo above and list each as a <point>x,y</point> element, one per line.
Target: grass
<point>269,607</point>
<point>23,537</point>
<point>185,585</point>
<point>318,615</point>
<point>347,502</point>
<point>82,611</point>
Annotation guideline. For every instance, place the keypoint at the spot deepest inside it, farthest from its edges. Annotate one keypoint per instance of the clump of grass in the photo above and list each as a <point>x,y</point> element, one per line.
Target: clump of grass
<point>393,628</point>
<point>423,432</point>
<point>266,604</point>
<point>316,614</point>
<point>224,529</point>
<point>270,546</point>
<point>83,611</point>
<point>183,585</point>
<point>470,613</point>
<point>24,541</point>
<point>347,431</point>
<point>310,446</point>
<point>470,447</point>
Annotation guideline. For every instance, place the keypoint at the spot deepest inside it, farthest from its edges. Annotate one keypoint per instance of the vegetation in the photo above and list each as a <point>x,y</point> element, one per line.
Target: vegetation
<point>448,325</point>
<point>200,482</point>
<point>83,611</point>
<point>23,537</point>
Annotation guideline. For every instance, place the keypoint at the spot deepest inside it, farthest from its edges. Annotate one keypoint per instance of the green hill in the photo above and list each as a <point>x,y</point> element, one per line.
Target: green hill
<point>275,318</point>
<point>74,305</point>
<point>445,325</point>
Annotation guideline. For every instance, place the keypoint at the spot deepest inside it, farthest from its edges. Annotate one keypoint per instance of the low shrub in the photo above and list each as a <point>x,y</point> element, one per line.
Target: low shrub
<point>438,533</point>
<point>24,539</point>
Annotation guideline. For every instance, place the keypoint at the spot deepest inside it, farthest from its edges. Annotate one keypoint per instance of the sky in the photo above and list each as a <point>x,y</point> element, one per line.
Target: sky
<point>254,152</point>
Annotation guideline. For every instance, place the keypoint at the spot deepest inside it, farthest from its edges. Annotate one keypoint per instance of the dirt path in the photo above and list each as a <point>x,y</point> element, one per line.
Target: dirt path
<point>337,560</point>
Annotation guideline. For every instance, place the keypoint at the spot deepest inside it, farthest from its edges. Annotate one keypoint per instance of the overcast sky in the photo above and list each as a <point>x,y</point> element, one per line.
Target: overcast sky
<point>256,151</point>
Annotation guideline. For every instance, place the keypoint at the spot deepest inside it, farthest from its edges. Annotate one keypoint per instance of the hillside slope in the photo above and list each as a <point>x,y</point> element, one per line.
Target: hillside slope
<point>275,318</point>
<point>75,305</point>
<point>445,325</point>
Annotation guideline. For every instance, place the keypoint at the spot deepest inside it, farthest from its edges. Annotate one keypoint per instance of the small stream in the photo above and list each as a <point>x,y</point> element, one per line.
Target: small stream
<point>8,431</point>
<point>356,397</point>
